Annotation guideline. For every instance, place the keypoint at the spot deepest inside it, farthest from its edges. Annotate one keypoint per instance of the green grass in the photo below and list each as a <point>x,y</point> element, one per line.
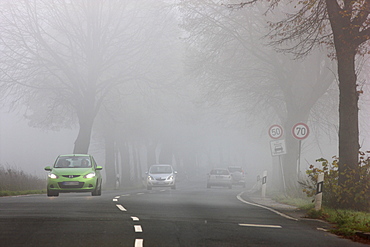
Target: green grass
<point>347,222</point>
<point>302,203</point>
<point>24,192</point>
<point>14,181</point>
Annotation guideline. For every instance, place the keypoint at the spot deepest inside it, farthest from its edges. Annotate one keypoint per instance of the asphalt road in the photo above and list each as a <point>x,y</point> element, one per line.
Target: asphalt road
<point>191,215</point>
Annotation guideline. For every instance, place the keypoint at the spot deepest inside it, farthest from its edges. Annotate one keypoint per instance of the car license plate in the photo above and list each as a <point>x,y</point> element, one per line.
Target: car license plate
<point>219,177</point>
<point>71,183</point>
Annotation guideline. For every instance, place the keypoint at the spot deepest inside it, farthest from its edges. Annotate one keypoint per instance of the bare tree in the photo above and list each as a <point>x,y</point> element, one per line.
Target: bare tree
<point>239,71</point>
<point>63,58</point>
<point>344,27</point>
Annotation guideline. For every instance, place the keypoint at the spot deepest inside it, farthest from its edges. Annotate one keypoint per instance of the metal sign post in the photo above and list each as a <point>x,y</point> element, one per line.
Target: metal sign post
<point>277,147</point>
<point>300,131</point>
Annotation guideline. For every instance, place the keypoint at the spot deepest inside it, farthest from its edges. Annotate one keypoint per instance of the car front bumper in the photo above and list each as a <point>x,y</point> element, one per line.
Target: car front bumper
<point>72,185</point>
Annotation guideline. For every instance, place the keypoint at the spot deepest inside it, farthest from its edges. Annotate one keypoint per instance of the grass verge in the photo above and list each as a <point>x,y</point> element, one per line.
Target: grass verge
<point>24,192</point>
<point>347,223</point>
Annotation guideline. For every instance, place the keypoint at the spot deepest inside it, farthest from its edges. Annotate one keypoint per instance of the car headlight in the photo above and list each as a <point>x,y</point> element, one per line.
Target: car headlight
<point>90,175</point>
<point>170,177</point>
<point>53,176</point>
<point>150,178</point>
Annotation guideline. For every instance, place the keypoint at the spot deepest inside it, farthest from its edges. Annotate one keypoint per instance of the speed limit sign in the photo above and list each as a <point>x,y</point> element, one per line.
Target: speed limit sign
<point>300,131</point>
<point>275,131</point>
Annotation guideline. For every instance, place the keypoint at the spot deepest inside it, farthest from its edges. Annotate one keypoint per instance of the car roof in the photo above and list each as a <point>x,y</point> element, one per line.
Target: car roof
<point>62,155</point>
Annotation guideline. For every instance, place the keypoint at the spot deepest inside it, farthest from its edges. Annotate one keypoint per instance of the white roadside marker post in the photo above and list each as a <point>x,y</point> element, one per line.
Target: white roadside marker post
<point>319,189</point>
<point>264,180</point>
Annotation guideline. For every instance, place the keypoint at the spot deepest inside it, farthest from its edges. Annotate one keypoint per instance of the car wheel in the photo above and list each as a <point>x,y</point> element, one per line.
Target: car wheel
<point>52,193</point>
<point>97,190</point>
<point>173,187</point>
<point>148,187</point>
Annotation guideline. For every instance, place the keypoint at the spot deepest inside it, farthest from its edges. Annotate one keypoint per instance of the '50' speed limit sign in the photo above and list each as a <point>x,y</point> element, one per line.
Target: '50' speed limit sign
<point>275,131</point>
<point>300,131</point>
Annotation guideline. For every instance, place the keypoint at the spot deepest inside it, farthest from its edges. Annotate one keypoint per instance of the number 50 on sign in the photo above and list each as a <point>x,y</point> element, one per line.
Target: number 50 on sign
<point>275,131</point>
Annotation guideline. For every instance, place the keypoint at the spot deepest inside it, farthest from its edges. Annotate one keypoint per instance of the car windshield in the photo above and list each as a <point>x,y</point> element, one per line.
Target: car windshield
<point>73,162</point>
<point>235,169</point>
<point>160,169</point>
<point>219,172</point>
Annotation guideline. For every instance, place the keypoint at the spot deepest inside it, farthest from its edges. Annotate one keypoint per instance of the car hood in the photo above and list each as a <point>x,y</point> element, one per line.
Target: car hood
<point>72,171</point>
<point>161,175</point>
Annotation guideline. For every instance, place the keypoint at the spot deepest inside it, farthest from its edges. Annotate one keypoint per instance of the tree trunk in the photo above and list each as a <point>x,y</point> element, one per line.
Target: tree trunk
<point>151,155</point>
<point>110,167</point>
<point>82,142</point>
<point>348,116</point>
<point>166,154</point>
<point>346,41</point>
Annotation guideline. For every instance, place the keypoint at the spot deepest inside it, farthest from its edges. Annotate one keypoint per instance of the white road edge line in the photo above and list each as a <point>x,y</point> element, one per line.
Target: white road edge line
<point>256,225</point>
<point>121,207</point>
<point>139,242</point>
<point>138,228</point>
<point>261,206</point>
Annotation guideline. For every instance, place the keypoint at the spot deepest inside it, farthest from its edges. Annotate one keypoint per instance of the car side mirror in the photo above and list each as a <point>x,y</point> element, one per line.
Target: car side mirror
<point>47,168</point>
<point>175,172</point>
<point>98,168</point>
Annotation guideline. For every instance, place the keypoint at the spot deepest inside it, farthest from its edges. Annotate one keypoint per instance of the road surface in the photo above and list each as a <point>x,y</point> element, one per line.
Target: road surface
<point>191,215</point>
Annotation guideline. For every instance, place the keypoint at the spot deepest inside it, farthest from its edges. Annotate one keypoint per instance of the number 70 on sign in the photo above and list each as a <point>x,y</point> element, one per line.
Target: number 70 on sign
<point>300,131</point>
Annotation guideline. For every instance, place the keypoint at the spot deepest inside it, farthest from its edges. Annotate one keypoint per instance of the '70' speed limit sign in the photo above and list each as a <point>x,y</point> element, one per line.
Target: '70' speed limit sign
<point>300,131</point>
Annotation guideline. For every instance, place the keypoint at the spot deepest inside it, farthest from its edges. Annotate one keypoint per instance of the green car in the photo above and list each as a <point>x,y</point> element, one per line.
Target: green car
<point>74,173</point>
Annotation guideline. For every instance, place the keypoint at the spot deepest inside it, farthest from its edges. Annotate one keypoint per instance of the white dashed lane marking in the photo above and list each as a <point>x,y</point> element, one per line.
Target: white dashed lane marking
<point>121,207</point>
<point>139,242</point>
<point>134,218</point>
<point>138,228</point>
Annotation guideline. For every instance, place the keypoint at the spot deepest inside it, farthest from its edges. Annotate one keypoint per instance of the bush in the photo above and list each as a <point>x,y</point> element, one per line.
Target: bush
<point>335,195</point>
<point>15,180</point>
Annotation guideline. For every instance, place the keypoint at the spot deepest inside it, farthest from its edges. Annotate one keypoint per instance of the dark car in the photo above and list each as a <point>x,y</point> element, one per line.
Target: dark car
<point>237,175</point>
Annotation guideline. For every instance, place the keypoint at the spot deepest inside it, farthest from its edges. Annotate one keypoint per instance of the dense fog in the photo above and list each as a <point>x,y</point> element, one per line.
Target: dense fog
<point>198,87</point>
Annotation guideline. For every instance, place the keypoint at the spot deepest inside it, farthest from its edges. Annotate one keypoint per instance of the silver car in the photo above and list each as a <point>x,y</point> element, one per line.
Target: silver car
<point>161,175</point>
<point>219,177</point>
<point>237,175</point>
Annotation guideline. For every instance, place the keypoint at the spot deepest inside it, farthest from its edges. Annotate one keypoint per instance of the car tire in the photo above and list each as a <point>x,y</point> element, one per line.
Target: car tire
<point>173,187</point>
<point>97,191</point>
<point>148,187</point>
<point>52,193</point>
